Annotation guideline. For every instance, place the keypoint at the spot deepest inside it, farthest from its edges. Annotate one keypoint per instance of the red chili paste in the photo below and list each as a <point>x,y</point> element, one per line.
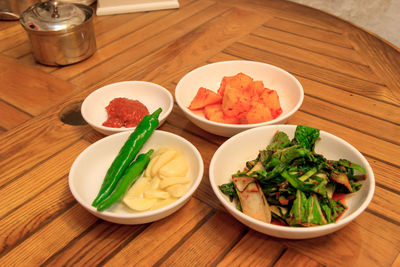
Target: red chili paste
<point>125,112</point>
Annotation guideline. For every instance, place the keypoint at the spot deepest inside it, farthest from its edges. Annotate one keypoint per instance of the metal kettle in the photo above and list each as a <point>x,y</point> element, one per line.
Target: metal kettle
<point>60,33</point>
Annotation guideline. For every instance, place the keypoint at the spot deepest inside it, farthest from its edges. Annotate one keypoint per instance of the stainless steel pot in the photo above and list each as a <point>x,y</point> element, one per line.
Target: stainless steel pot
<point>60,33</point>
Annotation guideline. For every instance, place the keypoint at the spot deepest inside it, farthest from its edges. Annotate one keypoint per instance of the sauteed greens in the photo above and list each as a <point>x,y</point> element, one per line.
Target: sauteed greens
<point>298,184</point>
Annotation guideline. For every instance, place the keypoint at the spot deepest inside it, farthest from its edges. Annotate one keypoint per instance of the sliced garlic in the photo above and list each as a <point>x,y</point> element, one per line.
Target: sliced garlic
<point>156,194</point>
<point>161,151</point>
<point>177,190</point>
<point>173,180</point>
<point>176,167</point>
<point>139,204</point>
<point>164,181</point>
<point>147,172</point>
<point>137,189</point>
<point>163,159</point>
<point>155,183</point>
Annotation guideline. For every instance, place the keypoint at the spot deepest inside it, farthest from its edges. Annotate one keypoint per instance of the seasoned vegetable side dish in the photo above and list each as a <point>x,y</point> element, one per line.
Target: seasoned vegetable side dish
<point>239,100</point>
<point>288,183</point>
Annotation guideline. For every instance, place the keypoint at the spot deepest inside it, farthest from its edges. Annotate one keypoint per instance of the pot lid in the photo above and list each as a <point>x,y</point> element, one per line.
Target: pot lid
<point>53,16</point>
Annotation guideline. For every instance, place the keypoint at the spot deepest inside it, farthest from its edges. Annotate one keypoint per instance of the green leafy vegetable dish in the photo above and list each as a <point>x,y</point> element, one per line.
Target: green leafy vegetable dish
<point>288,183</point>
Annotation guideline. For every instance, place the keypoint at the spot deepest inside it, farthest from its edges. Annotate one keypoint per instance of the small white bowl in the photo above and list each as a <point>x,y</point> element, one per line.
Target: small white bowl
<point>152,95</point>
<point>232,155</point>
<point>89,168</point>
<point>289,90</point>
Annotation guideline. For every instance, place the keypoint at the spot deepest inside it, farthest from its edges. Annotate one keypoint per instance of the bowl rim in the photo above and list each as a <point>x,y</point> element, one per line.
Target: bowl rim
<point>163,114</point>
<point>135,215</point>
<point>290,229</point>
<point>240,126</point>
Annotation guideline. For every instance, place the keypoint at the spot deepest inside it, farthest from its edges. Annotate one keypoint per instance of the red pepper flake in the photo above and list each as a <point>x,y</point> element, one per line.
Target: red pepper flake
<point>315,182</point>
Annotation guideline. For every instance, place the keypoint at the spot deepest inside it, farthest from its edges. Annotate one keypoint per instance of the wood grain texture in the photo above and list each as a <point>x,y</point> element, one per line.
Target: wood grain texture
<point>294,258</point>
<point>309,57</point>
<point>205,245</point>
<point>352,90</point>
<point>43,91</point>
<point>311,32</point>
<point>11,116</point>
<point>95,245</point>
<point>37,142</point>
<point>254,249</point>
<point>346,248</point>
<point>268,31</point>
<point>396,262</point>
<point>50,238</point>
<point>13,36</point>
<point>162,237</point>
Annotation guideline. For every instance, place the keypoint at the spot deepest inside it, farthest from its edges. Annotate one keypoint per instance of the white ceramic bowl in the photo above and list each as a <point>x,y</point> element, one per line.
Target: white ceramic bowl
<point>232,155</point>
<point>153,96</point>
<point>88,170</point>
<point>289,90</point>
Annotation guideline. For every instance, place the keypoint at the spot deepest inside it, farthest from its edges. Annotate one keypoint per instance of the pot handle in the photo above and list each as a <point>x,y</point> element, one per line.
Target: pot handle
<point>54,7</point>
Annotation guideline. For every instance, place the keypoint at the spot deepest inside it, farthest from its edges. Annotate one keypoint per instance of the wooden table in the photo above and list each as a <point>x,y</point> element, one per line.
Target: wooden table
<point>351,80</point>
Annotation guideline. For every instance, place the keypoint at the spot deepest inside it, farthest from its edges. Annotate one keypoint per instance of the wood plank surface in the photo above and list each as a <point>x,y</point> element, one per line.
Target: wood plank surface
<point>293,257</point>
<point>268,31</point>
<point>146,249</point>
<point>310,32</point>
<point>351,81</point>
<point>213,238</point>
<point>43,91</point>
<point>11,116</point>
<point>254,249</point>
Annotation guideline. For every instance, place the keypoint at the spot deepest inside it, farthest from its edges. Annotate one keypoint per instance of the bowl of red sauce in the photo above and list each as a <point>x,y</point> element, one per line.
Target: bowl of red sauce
<point>120,106</point>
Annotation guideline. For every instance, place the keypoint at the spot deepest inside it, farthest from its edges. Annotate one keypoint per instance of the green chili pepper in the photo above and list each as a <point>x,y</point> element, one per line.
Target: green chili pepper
<point>127,154</point>
<point>130,176</point>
